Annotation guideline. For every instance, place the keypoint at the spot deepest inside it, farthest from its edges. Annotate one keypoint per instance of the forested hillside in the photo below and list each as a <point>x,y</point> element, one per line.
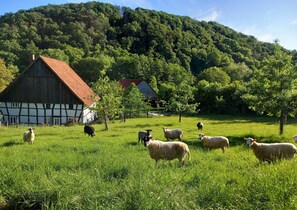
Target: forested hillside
<point>168,51</point>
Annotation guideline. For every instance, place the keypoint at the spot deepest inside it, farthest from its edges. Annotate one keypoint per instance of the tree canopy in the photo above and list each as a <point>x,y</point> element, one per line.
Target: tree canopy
<point>102,40</point>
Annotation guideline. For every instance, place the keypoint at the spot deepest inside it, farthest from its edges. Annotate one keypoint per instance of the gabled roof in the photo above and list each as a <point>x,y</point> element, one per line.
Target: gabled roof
<point>126,82</point>
<point>68,76</point>
<point>142,86</point>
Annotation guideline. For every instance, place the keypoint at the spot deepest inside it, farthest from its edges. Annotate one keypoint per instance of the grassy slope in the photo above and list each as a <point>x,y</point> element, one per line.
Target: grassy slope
<point>65,169</point>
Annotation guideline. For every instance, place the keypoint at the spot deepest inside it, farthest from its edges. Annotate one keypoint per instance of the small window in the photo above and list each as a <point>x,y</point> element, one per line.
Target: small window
<point>70,106</point>
<point>47,106</point>
<point>13,120</point>
<point>15,105</point>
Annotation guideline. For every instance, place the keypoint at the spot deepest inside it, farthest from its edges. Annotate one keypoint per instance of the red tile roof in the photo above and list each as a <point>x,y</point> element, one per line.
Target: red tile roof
<point>71,80</point>
<point>126,82</point>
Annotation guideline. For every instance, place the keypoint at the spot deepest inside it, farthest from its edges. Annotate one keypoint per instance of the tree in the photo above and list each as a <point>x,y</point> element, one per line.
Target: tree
<point>6,75</point>
<point>273,89</point>
<point>133,100</point>
<point>181,99</point>
<point>91,68</point>
<point>215,74</point>
<point>110,93</point>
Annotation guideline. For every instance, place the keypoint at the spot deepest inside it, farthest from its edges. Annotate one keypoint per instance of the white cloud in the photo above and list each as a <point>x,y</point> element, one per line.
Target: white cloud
<point>259,34</point>
<point>210,15</point>
<point>266,37</point>
<point>294,22</point>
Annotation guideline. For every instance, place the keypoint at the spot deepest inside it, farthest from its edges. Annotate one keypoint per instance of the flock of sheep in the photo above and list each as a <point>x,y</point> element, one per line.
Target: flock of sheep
<point>160,150</point>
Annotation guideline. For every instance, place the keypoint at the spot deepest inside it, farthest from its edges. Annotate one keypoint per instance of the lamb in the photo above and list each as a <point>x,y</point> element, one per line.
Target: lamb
<point>142,134</point>
<point>160,150</point>
<point>271,152</point>
<point>90,130</point>
<point>172,134</point>
<point>200,125</point>
<point>29,136</point>
<point>214,142</point>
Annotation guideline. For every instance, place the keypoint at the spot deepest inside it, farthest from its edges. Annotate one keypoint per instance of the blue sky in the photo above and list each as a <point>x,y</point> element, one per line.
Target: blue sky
<point>267,20</point>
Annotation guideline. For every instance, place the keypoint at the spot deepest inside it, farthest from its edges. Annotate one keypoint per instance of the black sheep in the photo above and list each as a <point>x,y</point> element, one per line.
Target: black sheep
<point>90,130</point>
<point>200,125</point>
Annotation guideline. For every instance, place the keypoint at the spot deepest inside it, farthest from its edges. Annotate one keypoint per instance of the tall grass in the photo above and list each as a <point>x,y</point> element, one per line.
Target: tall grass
<point>65,169</point>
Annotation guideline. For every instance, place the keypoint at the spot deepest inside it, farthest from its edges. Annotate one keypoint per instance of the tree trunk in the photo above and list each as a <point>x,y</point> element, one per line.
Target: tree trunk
<point>105,121</point>
<point>281,122</point>
<point>180,116</point>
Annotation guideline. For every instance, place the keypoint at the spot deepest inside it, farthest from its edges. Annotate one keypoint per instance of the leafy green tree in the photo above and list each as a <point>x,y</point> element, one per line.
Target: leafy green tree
<point>133,100</point>
<point>6,75</point>
<point>273,89</point>
<point>182,100</point>
<point>92,68</point>
<point>57,54</point>
<point>110,93</point>
<point>215,74</point>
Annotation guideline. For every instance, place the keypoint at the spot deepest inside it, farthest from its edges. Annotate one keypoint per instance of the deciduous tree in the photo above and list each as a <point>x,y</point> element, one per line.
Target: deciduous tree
<point>273,89</point>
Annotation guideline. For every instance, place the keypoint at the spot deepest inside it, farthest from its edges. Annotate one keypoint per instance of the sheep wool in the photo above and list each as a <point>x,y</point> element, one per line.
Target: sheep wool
<point>159,150</point>
<point>271,151</point>
<point>173,134</point>
<point>29,136</point>
<point>214,142</point>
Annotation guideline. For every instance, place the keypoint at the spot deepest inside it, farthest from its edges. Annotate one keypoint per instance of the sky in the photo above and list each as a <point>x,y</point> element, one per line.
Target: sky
<point>267,20</point>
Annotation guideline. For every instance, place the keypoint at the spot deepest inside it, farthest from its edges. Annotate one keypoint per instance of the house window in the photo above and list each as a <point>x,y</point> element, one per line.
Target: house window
<point>15,105</point>
<point>47,106</point>
<point>13,120</point>
<point>70,106</point>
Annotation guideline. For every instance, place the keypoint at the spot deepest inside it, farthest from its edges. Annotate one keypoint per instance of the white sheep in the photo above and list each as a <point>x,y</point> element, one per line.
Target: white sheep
<point>160,150</point>
<point>29,136</point>
<point>172,134</point>
<point>295,138</point>
<point>142,134</point>
<point>214,142</point>
<point>271,151</point>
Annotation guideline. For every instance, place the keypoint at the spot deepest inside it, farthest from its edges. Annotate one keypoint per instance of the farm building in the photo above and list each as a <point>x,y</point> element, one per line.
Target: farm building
<point>47,92</point>
<point>146,90</point>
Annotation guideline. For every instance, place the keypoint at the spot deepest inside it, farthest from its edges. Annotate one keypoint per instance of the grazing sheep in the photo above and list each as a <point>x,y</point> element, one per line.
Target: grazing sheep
<point>200,125</point>
<point>295,138</point>
<point>90,130</point>
<point>167,150</point>
<point>271,151</point>
<point>214,142</point>
<point>142,134</point>
<point>172,134</point>
<point>29,136</point>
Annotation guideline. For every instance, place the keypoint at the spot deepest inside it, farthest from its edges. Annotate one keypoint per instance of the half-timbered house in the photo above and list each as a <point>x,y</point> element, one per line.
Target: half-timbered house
<point>47,92</point>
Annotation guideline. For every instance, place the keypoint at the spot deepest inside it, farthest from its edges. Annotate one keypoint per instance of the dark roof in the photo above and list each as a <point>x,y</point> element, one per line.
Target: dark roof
<point>126,82</point>
<point>71,80</point>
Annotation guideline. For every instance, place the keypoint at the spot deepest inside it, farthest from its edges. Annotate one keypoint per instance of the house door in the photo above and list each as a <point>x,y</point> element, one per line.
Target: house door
<point>57,121</point>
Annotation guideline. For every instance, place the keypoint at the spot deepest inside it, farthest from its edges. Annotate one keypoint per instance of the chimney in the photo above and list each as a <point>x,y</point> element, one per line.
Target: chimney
<point>32,58</point>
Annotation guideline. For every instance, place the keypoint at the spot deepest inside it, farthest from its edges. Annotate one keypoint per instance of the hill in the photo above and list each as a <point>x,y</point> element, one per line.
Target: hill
<point>99,39</point>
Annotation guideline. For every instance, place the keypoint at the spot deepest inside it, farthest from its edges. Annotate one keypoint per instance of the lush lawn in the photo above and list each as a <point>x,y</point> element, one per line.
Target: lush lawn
<point>65,169</point>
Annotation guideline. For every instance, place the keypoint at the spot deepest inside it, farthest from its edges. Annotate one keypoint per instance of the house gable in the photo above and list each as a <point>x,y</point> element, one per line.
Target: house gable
<point>143,87</point>
<point>48,80</point>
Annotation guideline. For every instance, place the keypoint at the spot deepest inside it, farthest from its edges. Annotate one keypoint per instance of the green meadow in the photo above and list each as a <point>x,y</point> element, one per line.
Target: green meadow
<point>66,169</point>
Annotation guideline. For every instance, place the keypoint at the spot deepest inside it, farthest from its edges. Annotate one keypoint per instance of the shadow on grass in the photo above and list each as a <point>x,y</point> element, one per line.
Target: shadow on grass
<point>10,144</point>
<point>225,119</point>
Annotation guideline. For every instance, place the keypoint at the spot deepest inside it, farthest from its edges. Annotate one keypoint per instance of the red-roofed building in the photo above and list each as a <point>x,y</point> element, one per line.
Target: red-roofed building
<point>143,87</point>
<point>47,92</point>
